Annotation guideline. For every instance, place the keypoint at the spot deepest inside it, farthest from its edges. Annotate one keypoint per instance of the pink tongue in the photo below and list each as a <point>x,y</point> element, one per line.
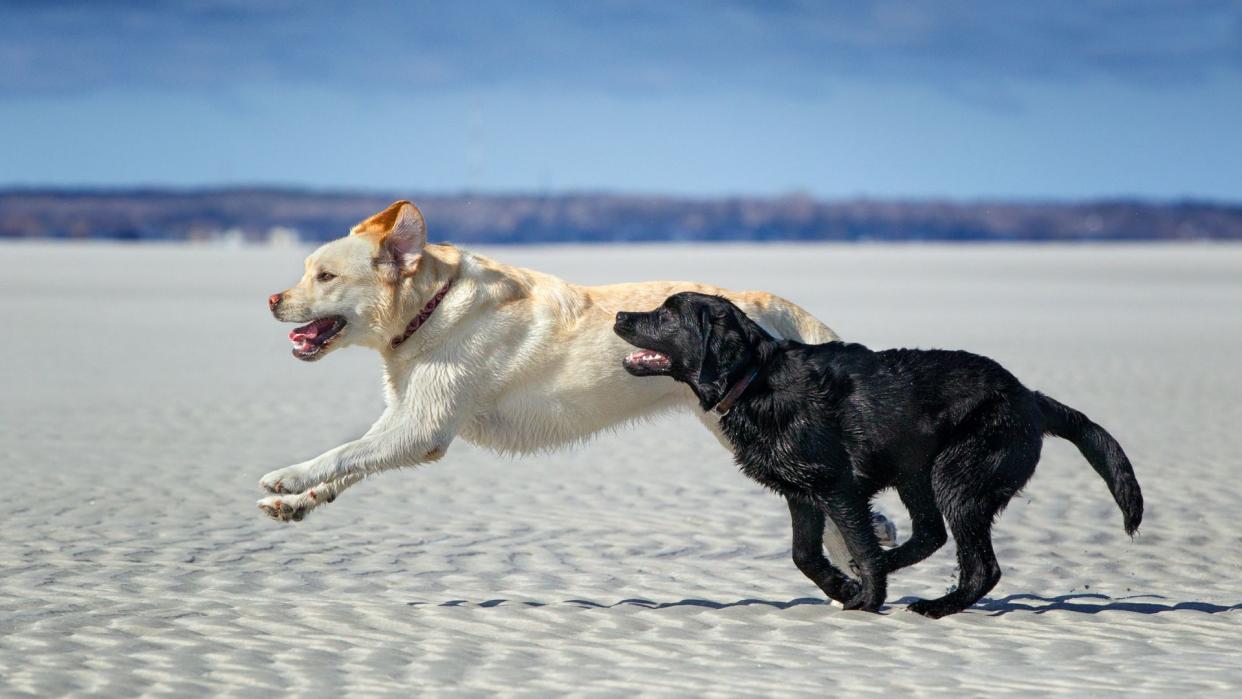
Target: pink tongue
<point>310,331</point>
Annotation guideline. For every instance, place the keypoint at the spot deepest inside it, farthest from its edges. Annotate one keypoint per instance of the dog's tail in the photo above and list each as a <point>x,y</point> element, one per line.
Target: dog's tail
<point>1101,451</point>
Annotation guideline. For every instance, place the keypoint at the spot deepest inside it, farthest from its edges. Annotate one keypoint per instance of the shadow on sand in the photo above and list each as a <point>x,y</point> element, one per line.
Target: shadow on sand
<point>1092,603</point>
<point>1082,603</point>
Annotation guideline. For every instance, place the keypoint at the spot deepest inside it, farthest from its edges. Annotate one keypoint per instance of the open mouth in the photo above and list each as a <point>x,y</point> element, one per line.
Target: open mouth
<point>310,340</point>
<point>644,362</point>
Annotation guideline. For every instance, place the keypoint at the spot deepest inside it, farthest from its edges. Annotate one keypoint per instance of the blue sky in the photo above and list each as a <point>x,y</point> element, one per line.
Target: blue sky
<point>884,99</point>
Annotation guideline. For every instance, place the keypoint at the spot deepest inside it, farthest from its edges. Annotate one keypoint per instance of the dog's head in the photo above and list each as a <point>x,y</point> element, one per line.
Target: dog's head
<point>346,293</point>
<point>703,341</point>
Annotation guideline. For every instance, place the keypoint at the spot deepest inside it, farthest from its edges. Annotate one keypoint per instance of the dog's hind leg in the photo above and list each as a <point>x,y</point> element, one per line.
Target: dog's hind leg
<point>974,479</point>
<point>808,552</point>
<point>294,507</point>
<point>978,569</point>
<point>928,532</point>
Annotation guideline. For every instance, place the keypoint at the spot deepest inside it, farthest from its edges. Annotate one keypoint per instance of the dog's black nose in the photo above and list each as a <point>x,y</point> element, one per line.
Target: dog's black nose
<point>622,318</point>
<point>274,300</point>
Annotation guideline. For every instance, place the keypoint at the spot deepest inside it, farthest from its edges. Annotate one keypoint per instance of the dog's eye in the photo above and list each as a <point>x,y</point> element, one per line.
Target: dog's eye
<point>325,277</point>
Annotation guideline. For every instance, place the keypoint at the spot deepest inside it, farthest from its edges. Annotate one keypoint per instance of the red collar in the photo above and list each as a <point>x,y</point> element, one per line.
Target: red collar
<point>422,316</point>
<point>726,404</point>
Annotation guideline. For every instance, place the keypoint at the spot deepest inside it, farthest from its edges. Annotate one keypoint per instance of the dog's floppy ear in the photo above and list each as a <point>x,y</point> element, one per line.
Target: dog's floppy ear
<point>400,234</point>
<point>712,373</point>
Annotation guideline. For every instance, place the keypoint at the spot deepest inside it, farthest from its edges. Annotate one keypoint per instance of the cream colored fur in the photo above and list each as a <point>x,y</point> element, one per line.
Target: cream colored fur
<point>512,359</point>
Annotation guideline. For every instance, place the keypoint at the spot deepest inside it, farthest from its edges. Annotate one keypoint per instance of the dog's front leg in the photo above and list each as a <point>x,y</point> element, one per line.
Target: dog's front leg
<point>394,441</point>
<point>295,479</point>
<point>850,511</point>
<point>347,464</point>
<point>808,552</point>
<point>294,507</point>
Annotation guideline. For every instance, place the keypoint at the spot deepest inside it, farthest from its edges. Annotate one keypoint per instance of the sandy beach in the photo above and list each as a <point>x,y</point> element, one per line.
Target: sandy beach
<point>146,390</point>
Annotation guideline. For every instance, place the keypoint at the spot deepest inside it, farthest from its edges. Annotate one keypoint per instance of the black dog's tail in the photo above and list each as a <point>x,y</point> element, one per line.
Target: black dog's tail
<point>1101,450</point>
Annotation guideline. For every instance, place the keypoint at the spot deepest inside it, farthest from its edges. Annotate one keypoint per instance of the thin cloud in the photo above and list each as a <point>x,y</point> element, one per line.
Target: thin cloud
<point>958,47</point>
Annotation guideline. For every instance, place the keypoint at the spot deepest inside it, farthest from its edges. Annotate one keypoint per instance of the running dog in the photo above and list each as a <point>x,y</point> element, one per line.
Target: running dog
<point>506,358</point>
<point>830,425</point>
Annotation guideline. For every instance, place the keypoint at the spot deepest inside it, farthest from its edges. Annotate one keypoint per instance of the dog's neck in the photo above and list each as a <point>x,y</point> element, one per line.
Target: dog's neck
<point>406,313</point>
<point>730,398</point>
<point>764,352</point>
<point>427,309</point>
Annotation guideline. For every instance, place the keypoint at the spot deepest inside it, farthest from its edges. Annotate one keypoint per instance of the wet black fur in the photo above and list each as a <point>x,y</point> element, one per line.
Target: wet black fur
<point>828,426</point>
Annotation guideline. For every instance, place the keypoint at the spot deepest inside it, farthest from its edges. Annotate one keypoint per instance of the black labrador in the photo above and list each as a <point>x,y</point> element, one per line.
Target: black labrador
<point>828,426</point>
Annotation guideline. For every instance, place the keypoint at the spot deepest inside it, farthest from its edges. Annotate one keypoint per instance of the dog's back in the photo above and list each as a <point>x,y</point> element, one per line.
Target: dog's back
<point>955,378</point>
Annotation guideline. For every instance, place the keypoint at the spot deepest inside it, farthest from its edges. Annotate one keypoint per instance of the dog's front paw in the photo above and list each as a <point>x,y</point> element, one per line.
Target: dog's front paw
<point>285,481</point>
<point>862,602</point>
<point>867,599</point>
<point>845,590</point>
<point>284,509</point>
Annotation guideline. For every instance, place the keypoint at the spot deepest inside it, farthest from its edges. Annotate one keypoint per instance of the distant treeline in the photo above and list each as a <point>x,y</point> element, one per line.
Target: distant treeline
<point>262,214</point>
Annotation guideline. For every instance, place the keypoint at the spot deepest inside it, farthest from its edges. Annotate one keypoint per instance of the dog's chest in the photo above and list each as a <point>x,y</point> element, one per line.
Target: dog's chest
<point>766,472</point>
<point>772,463</point>
<point>789,452</point>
